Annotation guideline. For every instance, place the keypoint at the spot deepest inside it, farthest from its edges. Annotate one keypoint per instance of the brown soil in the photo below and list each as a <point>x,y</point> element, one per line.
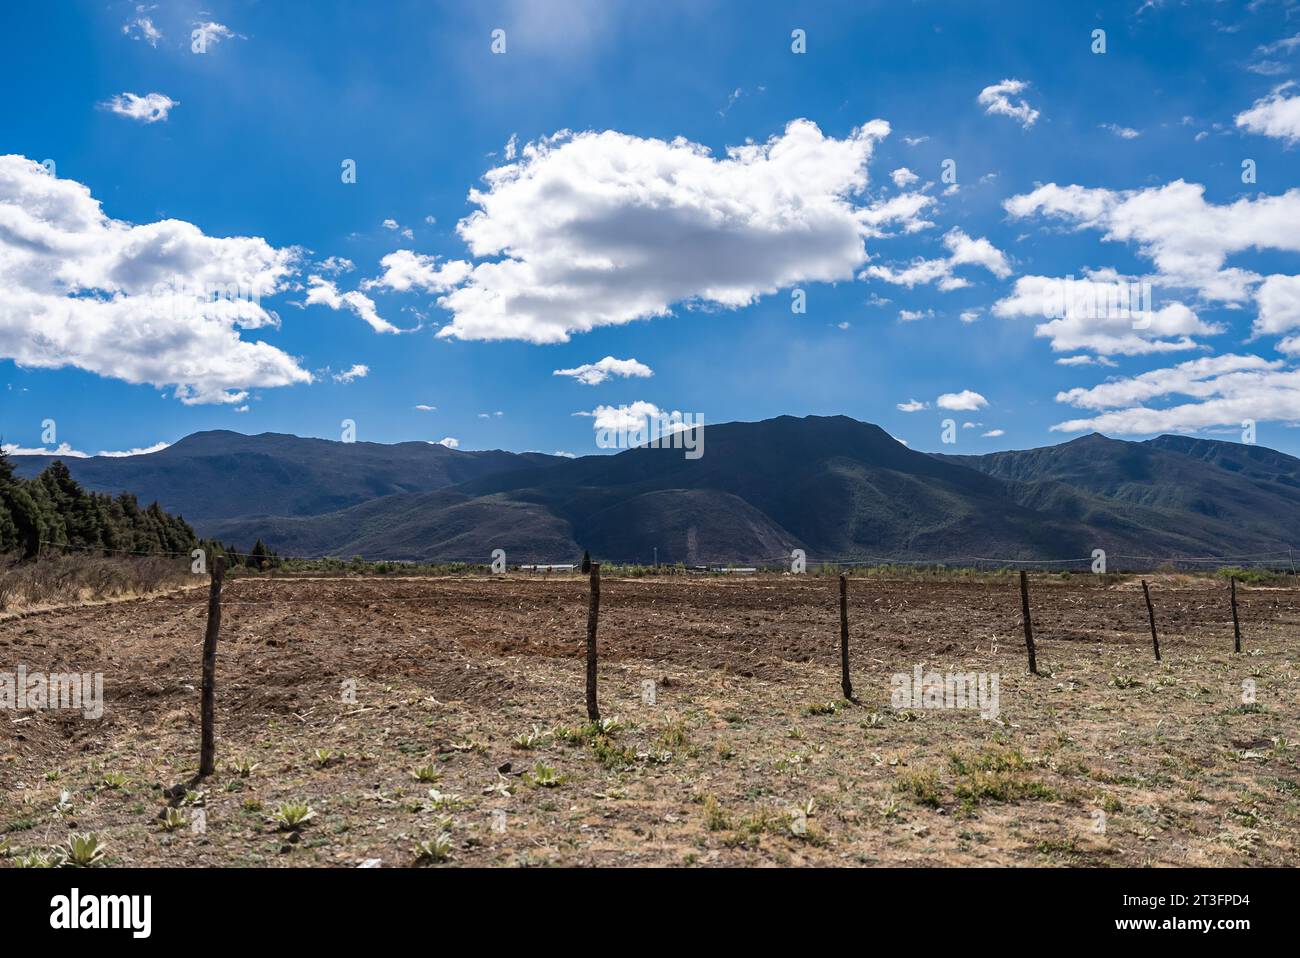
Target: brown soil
<point>1107,758</point>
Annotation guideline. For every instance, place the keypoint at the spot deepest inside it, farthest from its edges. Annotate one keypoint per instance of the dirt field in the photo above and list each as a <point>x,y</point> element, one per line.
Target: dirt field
<point>748,756</point>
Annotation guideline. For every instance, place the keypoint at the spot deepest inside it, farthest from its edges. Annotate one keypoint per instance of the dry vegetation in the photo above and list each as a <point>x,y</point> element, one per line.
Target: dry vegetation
<point>466,742</point>
<point>62,580</point>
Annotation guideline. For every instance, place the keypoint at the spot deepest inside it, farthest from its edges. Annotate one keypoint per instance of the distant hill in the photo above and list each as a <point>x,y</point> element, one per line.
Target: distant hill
<point>833,486</point>
<point>219,475</point>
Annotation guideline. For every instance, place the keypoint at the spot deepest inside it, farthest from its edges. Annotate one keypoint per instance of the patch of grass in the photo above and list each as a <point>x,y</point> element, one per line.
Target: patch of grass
<point>715,816</point>
<point>921,785</point>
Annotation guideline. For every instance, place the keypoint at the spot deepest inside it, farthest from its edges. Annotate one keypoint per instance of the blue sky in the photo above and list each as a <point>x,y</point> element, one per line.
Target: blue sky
<point>636,235</point>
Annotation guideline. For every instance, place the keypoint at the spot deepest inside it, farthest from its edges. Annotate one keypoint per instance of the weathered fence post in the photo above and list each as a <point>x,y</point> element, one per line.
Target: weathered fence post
<point>593,617</point>
<point>1029,627</point>
<point>207,741</point>
<point>1236,625</point>
<point>845,684</point>
<point>1151,614</point>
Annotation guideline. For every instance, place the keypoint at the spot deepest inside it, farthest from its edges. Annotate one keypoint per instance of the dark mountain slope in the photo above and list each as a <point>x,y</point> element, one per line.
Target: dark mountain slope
<point>218,475</point>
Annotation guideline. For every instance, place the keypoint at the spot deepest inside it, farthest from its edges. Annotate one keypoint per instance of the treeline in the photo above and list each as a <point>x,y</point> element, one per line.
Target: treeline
<point>52,511</point>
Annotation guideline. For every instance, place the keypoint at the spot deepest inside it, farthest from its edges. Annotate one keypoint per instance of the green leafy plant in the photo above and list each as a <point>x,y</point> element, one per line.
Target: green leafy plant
<point>172,819</point>
<point>436,849</point>
<point>426,773</point>
<point>291,816</point>
<point>83,851</point>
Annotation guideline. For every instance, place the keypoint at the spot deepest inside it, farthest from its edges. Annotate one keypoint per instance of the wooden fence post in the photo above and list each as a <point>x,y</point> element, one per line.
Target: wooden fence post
<point>1151,613</point>
<point>1236,625</point>
<point>1029,627</point>
<point>593,618</point>
<point>208,742</point>
<point>845,684</point>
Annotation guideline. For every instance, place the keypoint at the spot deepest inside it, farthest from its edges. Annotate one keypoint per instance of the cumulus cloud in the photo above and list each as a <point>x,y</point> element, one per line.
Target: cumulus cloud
<point>996,99</point>
<point>1226,390</point>
<point>65,451</point>
<point>1276,115</point>
<point>593,374</point>
<point>322,292</point>
<point>962,251</point>
<point>1279,305</point>
<point>912,405</point>
<point>600,229</point>
<point>133,302</point>
<point>358,371</point>
<point>1187,238</point>
<point>150,108</point>
<point>405,270</point>
<point>1097,314</point>
<point>993,433</point>
<point>449,441</point>
<point>965,400</point>
<point>903,177</point>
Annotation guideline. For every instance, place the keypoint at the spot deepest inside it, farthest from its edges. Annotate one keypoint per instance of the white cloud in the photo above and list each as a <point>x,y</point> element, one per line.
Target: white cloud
<point>593,374</point>
<point>80,289</point>
<point>962,251</point>
<point>565,455</point>
<point>964,400</point>
<point>912,405</point>
<point>209,34</point>
<point>404,270</point>
<point>1123,132</point>
<point>358,371</point>
<point>1276,115</point>
<point>1187,238</point>
<point>142,451</point>
<point>1226,391</point>
<point>912,315</point>
<point>150,108</point>
<point>1279,305</point>
<point>391,224</point>
<point>423,407</point>
<point>1086,314</point>
<point>970,315</point>
<point>142,28</point>
<point>63,450</point>
<point>997,99</point>
<point>903,177</point>
<point>322,292</point>
<point>600,229</point>
<point>450,442</point>
<point>993,433</point>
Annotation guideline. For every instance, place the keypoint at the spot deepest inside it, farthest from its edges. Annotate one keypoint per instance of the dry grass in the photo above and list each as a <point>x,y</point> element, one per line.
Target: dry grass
<point>69,579</point>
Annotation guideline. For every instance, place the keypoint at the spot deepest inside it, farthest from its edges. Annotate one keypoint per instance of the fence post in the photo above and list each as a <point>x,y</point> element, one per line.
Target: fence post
<point>593,618</point>
<point>1029,627</point>
<point>1236,625</point>
<point>207,741</point>
<point>845,685</point>
<point>1151,614</point>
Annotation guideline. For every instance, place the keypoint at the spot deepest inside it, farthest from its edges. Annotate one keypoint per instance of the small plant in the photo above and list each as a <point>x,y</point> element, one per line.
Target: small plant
<point>172,819</point>
<point>544,776</point>
<point>38,860</point>
<point>1124,682</point>
<point>529,740</point>
<point>291,816</point>
<point>823,708</point>
<point>53,775</point>
<point>243,767</point>
<point>446,800</point>
<point>114,780</point>
<point>674,736</point>
<point>436,849</point>
<point>426,773</point>
<point>82,851</point>
<point>322,757</point>
<point>715,816</point>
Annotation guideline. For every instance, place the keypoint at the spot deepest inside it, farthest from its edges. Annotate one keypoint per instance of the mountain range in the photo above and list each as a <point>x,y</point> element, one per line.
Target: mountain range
<point>832,486</point>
